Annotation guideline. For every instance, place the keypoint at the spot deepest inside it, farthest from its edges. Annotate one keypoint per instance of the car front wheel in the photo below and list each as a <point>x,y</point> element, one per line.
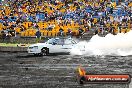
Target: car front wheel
<point>44,51</point>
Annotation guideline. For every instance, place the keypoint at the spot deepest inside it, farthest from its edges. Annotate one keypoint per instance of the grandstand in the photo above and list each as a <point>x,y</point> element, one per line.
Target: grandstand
<point>24,18</point>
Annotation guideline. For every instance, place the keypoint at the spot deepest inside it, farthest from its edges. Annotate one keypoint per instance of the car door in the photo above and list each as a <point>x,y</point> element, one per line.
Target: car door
<point>68,45</point>
<point>56,46</point>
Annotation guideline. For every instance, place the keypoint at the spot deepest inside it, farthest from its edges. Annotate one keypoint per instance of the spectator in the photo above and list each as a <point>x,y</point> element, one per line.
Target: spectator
<point>81,32</point>
<point>69,33</point>
<point>63,12</point>
<point>61,32</point>
<point>8,37</point>
<point>3,36</point>
<point>111,10</point>
<point>96,31</point>
<point>38,36</point>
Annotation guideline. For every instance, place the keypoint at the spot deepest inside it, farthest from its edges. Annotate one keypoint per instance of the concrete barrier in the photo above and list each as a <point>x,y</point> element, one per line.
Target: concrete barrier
<point>13,49</point>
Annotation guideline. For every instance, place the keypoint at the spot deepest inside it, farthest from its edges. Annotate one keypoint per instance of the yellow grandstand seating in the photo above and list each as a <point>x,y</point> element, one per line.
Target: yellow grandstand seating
<point>129,25</point>
<point>111,18</point>
<point>116,25</point>
<point>27,24</point>
<point>1,12</point>
<point>49,11</point>
<point>68,25</point>
<point>26,34</point>
<point>57,28</point>
<point>7,11</point>
<point>84,29</point>
<point>89,3</point>
<point>22,34</point>
<point>96,4</point>
<point>63,10</point>
<point>32,9</point>
<point>24,10</point>
<point>0,33</point>
<point>18,30</point>
<point>42,31</point>
<point>76,25</point>
<point>49,33</point>
<point>114,4</point>
<point>65,28</point>
<point>42,25</point>
<point>115,31</point>
<point>72,25</point>
<point>123,30</point>
<point>65,31</point>
<point>15,14</point>
<point>28,3</point>
<point>31,32</point>
<point>128,29</point>
<point>45,33</point>
<point>53,33</point>
<point>101,0</point>
<point>1,26</point>
<point>38,8</point>
<point>99,30</point>
<point>95,20</point>
<point>130,4</point>
<point>107,25</point>
<point>75,31</point>
<point>47,6</point>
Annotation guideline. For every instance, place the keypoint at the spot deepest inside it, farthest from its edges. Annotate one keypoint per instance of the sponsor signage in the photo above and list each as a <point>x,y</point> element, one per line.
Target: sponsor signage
<point>109,78</point>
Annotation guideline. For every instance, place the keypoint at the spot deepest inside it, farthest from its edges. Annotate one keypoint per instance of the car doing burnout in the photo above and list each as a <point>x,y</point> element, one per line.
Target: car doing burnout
<point>53,45</point>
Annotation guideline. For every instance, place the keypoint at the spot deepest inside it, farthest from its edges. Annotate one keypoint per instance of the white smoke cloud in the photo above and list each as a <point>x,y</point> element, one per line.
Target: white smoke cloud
<point>120,44</point>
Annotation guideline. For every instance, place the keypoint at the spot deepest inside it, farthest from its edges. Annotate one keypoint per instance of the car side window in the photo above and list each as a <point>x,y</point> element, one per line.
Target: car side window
<point>60,41</point>
<point>73,42</point>
<point>68,42</point>
<point>56,41</point>
<point>50,41</point>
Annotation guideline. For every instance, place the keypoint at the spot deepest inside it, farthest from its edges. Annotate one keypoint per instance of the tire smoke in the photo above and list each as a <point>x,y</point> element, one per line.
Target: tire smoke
<point>120,44</point>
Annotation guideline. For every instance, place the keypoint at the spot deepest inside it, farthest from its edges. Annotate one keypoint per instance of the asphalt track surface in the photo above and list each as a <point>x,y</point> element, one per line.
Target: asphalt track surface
<point>20,70</point>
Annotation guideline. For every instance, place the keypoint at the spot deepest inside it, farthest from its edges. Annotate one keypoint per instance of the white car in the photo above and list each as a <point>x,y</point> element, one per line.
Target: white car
<point>53,45</point>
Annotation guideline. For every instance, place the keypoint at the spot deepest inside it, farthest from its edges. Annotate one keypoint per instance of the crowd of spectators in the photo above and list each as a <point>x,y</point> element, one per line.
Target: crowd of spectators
<point>97,15</point>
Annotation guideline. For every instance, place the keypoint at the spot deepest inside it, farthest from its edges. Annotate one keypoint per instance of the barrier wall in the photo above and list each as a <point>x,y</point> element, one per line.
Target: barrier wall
<point>13,49</point>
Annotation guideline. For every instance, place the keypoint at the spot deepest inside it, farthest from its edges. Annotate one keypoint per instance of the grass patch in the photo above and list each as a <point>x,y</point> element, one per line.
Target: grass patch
<point>14,45</point>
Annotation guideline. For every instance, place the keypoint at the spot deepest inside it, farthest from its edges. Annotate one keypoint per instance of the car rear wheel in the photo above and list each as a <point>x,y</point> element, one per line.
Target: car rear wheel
<point>44,51</point>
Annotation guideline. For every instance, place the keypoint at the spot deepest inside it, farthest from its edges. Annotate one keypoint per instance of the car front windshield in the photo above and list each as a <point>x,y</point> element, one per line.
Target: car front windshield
<point>56,41</point>
<point>50,41</point>
<point>61,41</point>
